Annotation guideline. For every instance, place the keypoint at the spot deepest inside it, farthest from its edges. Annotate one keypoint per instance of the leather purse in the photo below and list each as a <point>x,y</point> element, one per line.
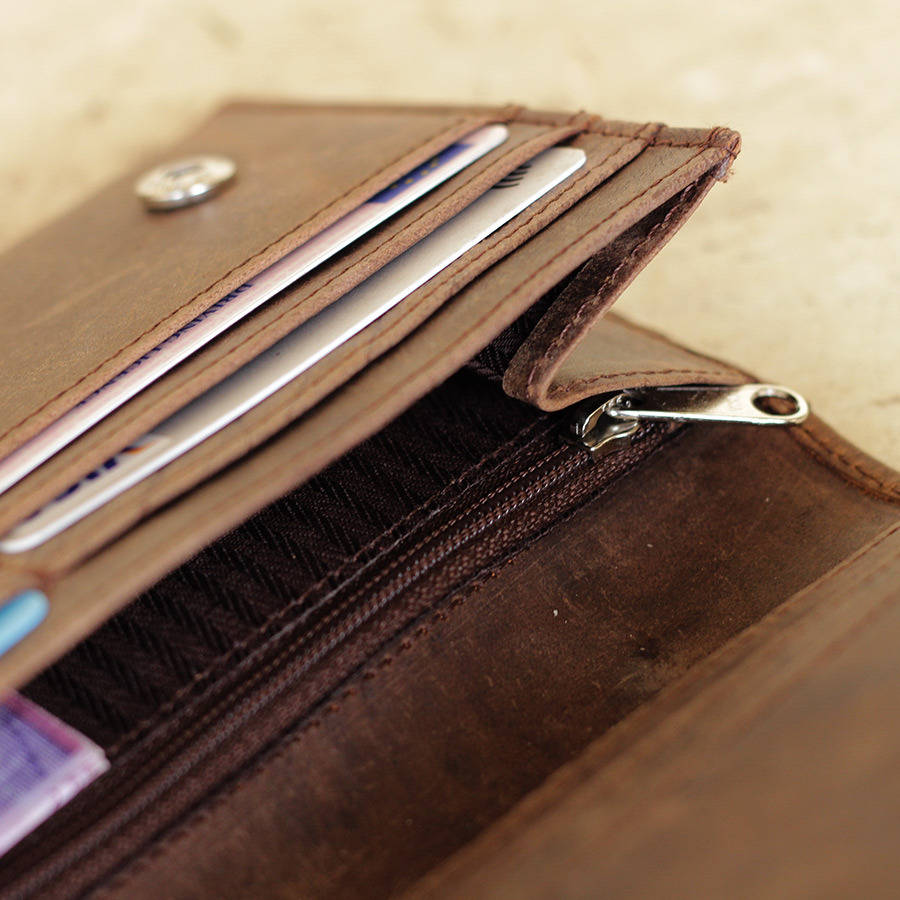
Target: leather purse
<point>458,610</point>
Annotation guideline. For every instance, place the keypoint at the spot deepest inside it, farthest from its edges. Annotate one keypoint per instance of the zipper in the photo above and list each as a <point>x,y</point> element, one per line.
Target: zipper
<point>606,423</point>
<point>165,774</point>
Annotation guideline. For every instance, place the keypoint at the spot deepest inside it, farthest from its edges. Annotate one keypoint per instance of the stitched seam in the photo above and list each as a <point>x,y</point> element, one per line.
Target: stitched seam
<point>584,382</point>
<point>890,492</point>
<point>520,442</point>
<point>444,528</point>
<point>550,358</point>
<point>210,287</point>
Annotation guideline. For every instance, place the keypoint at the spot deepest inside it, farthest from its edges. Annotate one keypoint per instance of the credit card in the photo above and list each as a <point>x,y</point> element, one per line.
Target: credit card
<point>244,299</point>
<point>300,350</point>
<point>20,615</point>
<point>43,765</point>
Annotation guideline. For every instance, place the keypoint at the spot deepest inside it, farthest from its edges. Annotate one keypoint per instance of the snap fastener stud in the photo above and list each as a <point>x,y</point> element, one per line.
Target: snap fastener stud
<point>184,182</point>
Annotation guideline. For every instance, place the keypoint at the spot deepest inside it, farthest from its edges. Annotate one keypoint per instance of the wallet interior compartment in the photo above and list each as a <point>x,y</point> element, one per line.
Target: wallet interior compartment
<point>78,575</point>
<point>90,293</point>
<point>540,247</point>
<point>300,302</point>
<point>331,632</point>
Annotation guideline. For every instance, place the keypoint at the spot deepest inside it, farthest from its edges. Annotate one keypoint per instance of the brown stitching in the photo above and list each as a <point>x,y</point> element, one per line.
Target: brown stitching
<point>584,382</point>
<point>256,255</point>
<point>520,442</point>
<point>588,310</point>
<point>482,500</point>
<point>889,490</point>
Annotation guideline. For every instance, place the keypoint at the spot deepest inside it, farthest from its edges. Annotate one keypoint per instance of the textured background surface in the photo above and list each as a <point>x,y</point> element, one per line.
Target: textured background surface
<point>791,269</point>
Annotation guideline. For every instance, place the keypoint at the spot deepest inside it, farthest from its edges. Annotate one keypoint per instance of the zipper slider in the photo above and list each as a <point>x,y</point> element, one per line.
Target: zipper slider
<point>609,422</point>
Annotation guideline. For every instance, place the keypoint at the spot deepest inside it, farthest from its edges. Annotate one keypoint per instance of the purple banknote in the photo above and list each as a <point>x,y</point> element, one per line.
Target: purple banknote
<point>43,765</point>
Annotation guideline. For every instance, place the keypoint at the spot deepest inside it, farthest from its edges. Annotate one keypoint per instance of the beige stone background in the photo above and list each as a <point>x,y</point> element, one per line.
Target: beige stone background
<point>791,269</point>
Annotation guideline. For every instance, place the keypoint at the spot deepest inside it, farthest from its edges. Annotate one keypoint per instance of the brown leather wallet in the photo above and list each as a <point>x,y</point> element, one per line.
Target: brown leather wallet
<point>406,621</point>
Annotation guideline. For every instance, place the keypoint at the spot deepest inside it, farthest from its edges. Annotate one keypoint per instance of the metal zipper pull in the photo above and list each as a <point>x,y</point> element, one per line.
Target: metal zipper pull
<point>605,423</point>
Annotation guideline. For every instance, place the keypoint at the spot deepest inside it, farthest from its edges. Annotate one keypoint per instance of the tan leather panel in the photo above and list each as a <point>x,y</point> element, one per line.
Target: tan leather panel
<point>272,321</point>
<point>93,291</point>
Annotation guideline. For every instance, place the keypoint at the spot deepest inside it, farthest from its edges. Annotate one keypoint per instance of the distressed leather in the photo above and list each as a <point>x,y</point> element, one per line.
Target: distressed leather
<point>550,726</point>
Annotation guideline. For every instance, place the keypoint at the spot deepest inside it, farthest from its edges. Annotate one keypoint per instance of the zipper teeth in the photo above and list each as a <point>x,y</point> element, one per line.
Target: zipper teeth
<point>289,626</point>
<point>343,613</point>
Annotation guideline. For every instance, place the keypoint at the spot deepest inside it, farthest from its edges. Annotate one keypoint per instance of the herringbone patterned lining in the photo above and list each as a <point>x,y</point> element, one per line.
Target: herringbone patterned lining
<point>141,658</point>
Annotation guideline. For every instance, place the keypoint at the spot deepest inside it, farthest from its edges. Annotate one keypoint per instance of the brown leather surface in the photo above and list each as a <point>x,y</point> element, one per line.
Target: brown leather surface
<point>771,771</point>
<point>298,303</point>
<point>632,356</point>
<point>485,697</point>
<point>93,291</point>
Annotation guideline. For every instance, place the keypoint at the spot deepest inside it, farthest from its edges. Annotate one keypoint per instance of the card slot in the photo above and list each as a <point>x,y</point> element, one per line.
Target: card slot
<point>273,320</point>
<point>91,293</point>
<point>304,391</point>
<point>84,594</point>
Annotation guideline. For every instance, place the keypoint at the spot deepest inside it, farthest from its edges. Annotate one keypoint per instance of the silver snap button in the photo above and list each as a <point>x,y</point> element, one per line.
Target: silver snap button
<point>184,181</point>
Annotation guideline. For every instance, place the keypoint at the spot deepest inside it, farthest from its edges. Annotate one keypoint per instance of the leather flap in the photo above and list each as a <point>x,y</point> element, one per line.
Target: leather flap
<point>571,354</point>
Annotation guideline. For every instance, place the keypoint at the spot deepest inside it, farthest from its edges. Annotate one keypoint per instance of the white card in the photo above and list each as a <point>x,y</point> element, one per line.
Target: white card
<point>243,300</point>
<point>300,350</point>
